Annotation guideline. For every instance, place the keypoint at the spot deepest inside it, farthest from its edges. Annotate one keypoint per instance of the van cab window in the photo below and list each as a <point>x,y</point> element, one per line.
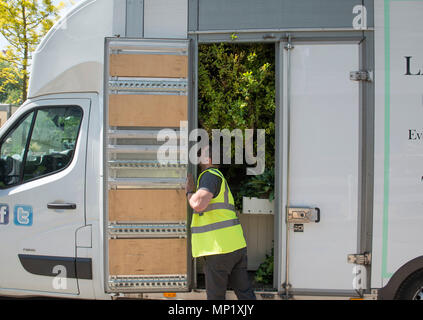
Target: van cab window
<point>13,151</point>
<point>42,144</point>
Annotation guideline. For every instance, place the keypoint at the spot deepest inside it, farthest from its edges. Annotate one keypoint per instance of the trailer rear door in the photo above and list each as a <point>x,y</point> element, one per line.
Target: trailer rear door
<point>146,90</point>
<point>323,171</point>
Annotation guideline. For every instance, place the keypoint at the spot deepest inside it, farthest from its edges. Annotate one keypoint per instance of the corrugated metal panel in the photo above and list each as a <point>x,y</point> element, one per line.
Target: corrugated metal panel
<point>275,14</point>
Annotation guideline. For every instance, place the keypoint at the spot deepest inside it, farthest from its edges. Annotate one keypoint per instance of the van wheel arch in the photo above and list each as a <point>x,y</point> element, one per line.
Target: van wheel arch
<point>411,288</point>
<point>401,282</point>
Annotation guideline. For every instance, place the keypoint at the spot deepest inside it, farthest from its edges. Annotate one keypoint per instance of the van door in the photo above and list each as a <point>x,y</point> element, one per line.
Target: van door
<point>42,196</point>
<point>322,104</point>
<point>145,204</point>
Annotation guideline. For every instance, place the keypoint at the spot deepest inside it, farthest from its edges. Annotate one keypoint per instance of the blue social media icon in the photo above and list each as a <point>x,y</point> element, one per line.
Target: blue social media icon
<point>23,216</point>
<point>4,214</point>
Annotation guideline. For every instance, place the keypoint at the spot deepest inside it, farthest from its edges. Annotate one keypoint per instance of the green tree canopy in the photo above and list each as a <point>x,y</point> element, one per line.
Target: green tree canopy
<point>23,23</point>
<point>11,91</point>
<point>237,89</point>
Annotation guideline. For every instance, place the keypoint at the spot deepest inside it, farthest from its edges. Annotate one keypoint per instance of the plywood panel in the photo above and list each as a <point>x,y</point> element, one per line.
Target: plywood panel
<point>148,65</point>
<point>147,205</point>
<point>147,256</point>
<point>147,110</point>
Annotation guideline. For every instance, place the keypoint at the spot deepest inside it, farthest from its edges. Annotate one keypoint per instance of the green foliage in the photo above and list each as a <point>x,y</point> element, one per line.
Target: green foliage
<point>23,23</point>
<point>261,186</point>
<point>264,273</point>
<point>234,36</point>
<point>14,97</point>
<point>10,92</point>
<point>237,89</point>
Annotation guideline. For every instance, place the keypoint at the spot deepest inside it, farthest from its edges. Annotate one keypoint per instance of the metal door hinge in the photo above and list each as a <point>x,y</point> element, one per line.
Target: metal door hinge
<point>373,295</point>
<point>289,45</point>
<point>360,259</point>
<point>286,294</point>
<point>362,75</point>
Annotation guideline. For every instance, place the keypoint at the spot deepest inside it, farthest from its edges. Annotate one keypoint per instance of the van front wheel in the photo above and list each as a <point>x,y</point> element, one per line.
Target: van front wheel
<point>411,288</point>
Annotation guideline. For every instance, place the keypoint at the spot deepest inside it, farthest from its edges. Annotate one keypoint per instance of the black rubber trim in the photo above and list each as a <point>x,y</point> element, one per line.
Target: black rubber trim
<point>76,268</point>
<point>84,268</point>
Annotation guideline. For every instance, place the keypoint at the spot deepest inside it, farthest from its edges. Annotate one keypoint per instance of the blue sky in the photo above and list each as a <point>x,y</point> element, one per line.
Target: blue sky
<point>3,42</point>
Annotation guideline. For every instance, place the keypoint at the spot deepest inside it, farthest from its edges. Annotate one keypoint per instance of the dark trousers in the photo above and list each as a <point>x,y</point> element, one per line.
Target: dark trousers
<point>230,268</point>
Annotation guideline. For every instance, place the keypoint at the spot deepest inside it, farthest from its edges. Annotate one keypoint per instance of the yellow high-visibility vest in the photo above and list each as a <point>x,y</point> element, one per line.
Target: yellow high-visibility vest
<point>217,229</point>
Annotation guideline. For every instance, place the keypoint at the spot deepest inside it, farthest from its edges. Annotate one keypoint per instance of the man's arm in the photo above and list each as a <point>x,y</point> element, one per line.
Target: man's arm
<point>199,200</point>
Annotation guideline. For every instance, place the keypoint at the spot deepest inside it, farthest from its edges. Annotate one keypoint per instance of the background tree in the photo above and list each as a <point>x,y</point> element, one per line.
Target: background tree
<point>10,91</point>
<point>23,23</point>
<point>237,91</point>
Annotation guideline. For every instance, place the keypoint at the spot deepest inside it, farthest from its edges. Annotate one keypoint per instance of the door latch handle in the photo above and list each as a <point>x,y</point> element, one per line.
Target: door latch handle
<point>303,215</point>
<point>61,206</point>
<point>318,215</point>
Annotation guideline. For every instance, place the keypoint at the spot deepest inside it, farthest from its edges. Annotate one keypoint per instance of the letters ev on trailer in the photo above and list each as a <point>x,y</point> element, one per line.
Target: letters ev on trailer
<point>81,209</point>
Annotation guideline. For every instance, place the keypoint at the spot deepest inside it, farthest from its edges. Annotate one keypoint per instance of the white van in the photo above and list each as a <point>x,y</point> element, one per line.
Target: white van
<point>81,213</point>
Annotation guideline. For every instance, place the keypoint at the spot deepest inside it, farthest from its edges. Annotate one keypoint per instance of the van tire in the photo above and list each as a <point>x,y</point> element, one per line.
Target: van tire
<point>411,288</point>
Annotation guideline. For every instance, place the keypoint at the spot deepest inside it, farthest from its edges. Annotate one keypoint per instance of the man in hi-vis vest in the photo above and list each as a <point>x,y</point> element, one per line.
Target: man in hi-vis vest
<point>217,233</point>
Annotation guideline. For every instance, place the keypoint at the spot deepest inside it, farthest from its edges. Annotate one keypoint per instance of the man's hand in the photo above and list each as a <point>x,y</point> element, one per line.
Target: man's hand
<point>200,200</point>
<point>197,200</point>
<point>189,187</point>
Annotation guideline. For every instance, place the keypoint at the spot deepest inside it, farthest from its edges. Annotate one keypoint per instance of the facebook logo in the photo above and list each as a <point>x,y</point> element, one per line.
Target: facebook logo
<point>23,216</point>
<point>4,214</point>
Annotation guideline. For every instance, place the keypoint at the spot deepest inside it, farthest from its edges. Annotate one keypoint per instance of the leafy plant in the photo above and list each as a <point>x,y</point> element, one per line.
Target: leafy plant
<point>237,89</point>
<point>264,273</point>
<point>10,87</point>
<point>261,186</point>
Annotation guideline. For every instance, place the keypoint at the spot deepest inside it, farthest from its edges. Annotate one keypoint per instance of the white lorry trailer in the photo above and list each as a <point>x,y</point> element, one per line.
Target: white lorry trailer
<point>80,208</point>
